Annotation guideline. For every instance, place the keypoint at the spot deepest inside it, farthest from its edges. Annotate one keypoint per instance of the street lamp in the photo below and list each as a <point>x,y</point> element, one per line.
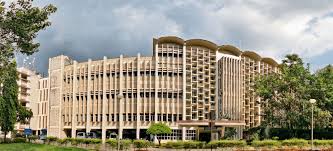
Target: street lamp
<point>120,96</point>
<point>312,101</point>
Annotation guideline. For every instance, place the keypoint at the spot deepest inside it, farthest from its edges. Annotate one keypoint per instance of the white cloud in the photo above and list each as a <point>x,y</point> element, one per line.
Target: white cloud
<point>91,29</point>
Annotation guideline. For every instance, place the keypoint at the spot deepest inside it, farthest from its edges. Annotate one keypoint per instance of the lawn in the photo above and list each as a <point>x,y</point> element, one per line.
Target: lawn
<point>35,147</point>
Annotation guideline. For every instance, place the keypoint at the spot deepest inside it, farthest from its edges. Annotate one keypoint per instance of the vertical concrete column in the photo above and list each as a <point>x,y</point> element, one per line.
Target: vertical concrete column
<point>120,100</point>
<point>138,111</point>
<point>183,133</point>
<point>104,101</point>
<point>74,104</point>
<point>88,120</point>
<point>184,85</point>
<point>156,77</point>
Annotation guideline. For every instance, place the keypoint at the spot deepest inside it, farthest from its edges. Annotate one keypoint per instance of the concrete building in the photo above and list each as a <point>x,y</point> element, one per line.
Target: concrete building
<point>183,84</point>
<point>29,96</point>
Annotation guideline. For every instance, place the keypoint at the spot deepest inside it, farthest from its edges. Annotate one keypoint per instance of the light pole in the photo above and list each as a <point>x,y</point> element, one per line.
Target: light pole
<point>120,96</point>
<point>312,101</point>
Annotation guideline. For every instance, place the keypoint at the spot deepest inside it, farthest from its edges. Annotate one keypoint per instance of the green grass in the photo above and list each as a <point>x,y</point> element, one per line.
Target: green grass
<point>35,147</point>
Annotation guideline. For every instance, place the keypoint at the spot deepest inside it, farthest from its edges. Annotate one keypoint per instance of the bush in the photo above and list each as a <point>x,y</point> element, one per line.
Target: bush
<point>51,139</point>
<point>227,143</point>
<point>322,142</point>
<point>295,142</point>
<point>266,143</point>
<point>113,143</point>
<point>19,140</point>
<point>193,145</point>
<point>33,137</point>
<point>141,144</point>
<point>174,145</point>
<point>125,144</point>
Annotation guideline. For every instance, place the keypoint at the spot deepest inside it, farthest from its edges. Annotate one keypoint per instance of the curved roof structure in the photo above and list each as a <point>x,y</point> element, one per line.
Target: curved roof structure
<point>231,49</point>
<point>252,54</point>
<point>170,39</point>
<point>202,43</point>
<point>270,61</point>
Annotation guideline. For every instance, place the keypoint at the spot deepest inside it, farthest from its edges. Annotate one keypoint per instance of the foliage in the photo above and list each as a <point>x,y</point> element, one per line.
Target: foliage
<point>8,100</point>
<point>36,147</point>
<point>32,137</point>
<point>184,145</point>
<point>141,144</point>
<point>295,142</point>
<point>19,140</point>
<point>230,132</point>
<point>227,143</point>
<point>125,144</point>
<point>51,139</point>
<point>112,142</point>
<point>19,24</point>
<point>266,143</point>
<point>285,96</point>
<point>322,142</point>
<point>159,129</point>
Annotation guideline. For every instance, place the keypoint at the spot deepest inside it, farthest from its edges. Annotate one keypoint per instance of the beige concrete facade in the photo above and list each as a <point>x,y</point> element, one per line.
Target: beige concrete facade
<point>30,96</point>
<point>181,85</point>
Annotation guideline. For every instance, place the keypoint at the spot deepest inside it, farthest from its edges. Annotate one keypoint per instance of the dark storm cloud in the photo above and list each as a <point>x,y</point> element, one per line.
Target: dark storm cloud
<point>85,29</point>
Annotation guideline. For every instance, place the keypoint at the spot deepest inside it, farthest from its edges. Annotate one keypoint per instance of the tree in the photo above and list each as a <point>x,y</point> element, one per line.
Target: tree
<point>19,24</point>
<point>8,101</point>
<point>159,129</point>
<point>285,97</point>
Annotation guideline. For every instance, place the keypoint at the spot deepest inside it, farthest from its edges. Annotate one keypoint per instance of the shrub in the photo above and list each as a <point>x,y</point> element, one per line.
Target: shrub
<point>266,143</point>
<point>322,142</point>
<point>275,138</point>
<point>175,145</point>
<point>51,139</point>
<point>295,142</point>
<point>33,137</point>
<point>19,140</point>
<point>125,144</point>
<point>227,143</point>
<point>141,144</point>
<point>193,144</point>
<point>113,143</point>
<point>213,144</point>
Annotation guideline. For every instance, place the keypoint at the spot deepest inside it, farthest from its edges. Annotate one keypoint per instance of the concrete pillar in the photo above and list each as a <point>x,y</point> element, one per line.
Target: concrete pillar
<point>137,133</point>
<point>183,133</point>
<point>103,135</point>
<point>120,133</point>
<point>88,117</point>
<point>74,107</point>
<point>104,101</point>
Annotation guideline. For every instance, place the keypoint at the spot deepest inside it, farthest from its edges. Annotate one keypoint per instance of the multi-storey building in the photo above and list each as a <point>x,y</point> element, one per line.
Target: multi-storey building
<point>183,84</point>
<point>28,96</point>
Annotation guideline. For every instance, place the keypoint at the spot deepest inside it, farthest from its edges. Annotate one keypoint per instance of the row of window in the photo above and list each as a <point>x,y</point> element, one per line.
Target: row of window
<point>128,117</point>
<point>131,95</point>
<point>130,74</point>
<point>170,55</point>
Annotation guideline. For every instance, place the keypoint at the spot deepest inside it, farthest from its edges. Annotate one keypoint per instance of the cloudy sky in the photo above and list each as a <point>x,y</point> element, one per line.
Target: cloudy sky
<point>85,29</point>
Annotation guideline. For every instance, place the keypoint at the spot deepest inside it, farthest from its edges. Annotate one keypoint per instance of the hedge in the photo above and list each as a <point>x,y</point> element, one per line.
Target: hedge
<point>295,142</point>
<point>185,145</point>
<point>322,142</point>
<point>141,144</point>
<point>265,143</point>
<point>19,140</point>
<point>50,139</point>
<point>227,143</point>
<point>112,142</point>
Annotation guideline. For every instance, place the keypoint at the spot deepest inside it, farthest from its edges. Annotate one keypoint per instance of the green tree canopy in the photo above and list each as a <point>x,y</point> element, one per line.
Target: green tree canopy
<point>159,129</point>
<point>285,97</point>
<point>20,22</point>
